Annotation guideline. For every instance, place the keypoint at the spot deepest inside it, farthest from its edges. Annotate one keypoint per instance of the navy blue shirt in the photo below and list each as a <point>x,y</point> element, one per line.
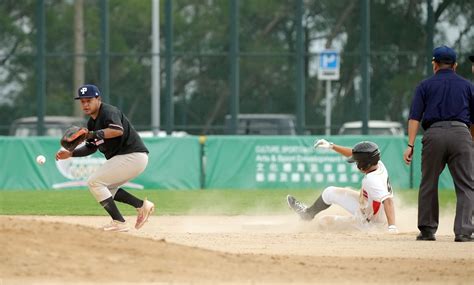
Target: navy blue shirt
<point>444,96</point>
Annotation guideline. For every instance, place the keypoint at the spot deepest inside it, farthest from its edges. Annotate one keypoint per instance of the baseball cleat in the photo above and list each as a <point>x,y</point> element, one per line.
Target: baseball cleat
<point>116,226</point>
<point>143,213</point>
<point>299,208</point>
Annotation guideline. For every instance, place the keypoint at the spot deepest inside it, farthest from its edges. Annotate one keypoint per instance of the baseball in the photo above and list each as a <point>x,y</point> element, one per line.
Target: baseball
<point>40,159</point>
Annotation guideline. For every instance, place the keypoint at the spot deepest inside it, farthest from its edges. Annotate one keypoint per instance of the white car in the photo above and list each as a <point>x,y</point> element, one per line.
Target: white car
<point>375,128</point>
<point>54,126</point>
<point>149,134</point>
<point>263,124</point>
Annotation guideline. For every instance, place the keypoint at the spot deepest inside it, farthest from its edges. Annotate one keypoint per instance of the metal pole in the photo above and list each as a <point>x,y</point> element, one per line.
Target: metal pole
<point>40,66</point>
<point>79,58</point>
<point>429,36</point>
<point>234,64</point>
<point>365,57</point>
<point>169,65</point>
<point>300,76</point>
<point>104,50</point>
<point>155,68</point>
<point>328,107</point>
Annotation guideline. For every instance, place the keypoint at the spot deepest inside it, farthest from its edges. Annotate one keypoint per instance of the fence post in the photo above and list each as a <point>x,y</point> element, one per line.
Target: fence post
<point>234,65</point>
<point>365,64</point>
<point>300,74</point>
<point>169,66</point>
<point>104,50</point>
<point>40,66</point>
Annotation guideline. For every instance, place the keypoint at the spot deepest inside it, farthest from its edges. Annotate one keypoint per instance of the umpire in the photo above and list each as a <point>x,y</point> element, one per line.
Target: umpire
<point>444,104</point>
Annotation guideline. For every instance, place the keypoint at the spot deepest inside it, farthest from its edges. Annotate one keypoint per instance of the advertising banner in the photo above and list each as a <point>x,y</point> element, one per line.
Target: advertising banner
<point>254,162</point>
<point>223,162</point>
<point>174,163</point>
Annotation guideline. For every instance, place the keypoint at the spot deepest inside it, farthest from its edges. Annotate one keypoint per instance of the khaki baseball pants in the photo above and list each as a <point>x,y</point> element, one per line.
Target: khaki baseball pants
<point>115,172</point>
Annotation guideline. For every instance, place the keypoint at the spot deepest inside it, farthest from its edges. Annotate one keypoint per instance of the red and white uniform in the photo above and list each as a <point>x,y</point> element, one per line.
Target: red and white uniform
<point>375,189</point>
<point>365,206</point>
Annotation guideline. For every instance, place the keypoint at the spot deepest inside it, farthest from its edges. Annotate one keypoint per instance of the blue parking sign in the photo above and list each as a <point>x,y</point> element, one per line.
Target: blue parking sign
<point>328,68</point>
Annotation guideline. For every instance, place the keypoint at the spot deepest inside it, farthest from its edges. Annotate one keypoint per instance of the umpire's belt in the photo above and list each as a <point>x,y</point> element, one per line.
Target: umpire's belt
<point>448,124</point>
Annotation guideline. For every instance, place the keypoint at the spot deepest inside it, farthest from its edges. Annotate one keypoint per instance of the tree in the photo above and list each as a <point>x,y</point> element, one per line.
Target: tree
<point>201,63</point>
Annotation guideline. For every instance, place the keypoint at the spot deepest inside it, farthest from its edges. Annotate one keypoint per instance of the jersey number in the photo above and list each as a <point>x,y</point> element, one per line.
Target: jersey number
<point>389,187</point>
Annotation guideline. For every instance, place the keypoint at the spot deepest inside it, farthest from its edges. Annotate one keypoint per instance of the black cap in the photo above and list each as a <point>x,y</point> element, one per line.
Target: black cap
<point>471,58</point>
<point>87,91</point>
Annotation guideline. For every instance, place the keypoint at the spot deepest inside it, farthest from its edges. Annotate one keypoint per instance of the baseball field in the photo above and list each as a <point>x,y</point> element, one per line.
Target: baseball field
<point>239,237</point>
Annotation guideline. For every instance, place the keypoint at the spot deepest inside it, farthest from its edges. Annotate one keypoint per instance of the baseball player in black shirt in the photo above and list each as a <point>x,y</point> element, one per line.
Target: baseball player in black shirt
<point>111,133</point>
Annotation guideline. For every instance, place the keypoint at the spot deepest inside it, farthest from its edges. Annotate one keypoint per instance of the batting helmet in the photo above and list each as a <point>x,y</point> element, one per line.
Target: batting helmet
<point>365,154</point>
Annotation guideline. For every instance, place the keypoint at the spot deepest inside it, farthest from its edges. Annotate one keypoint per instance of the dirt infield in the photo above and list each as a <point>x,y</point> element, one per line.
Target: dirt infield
<point>225,249</point>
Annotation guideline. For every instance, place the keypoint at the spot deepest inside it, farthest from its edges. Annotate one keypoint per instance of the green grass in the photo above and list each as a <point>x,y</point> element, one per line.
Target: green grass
<point>199,202</point>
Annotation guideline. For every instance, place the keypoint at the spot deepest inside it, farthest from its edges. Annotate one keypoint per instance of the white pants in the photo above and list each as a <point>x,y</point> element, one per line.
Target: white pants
<point>349,200</point>
<point>115,172</point>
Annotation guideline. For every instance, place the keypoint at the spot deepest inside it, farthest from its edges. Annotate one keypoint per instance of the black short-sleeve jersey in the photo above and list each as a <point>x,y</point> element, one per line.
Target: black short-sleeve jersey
<point>111,117</point>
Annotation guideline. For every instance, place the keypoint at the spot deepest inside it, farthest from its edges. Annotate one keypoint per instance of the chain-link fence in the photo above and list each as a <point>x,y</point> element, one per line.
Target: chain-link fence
<point>201,58</point>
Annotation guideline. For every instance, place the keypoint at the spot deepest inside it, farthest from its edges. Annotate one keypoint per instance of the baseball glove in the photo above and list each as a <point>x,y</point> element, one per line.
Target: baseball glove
<point>73,137</point>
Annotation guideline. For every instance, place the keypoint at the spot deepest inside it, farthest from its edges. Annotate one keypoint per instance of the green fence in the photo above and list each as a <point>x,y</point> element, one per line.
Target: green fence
<point>222,162</point>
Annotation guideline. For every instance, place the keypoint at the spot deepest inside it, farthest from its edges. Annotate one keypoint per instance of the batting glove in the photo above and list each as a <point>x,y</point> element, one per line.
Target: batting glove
<point>392,229</point>
<point>323,144</point>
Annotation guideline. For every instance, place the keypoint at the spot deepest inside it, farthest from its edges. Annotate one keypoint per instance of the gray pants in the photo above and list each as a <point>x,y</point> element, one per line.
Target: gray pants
<point>447,143</point>
<point>115,172</point>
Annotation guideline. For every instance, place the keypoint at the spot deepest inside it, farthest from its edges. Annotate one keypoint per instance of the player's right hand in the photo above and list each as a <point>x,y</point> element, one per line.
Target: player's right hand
<point>322,143</point>
<point>63,154</point>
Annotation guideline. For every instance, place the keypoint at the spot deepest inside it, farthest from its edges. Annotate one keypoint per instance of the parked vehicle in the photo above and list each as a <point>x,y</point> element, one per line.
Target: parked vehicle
<point>53,125</point>
<point>375,128</point>
<point>149,134</point>
<point>263,124</point>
